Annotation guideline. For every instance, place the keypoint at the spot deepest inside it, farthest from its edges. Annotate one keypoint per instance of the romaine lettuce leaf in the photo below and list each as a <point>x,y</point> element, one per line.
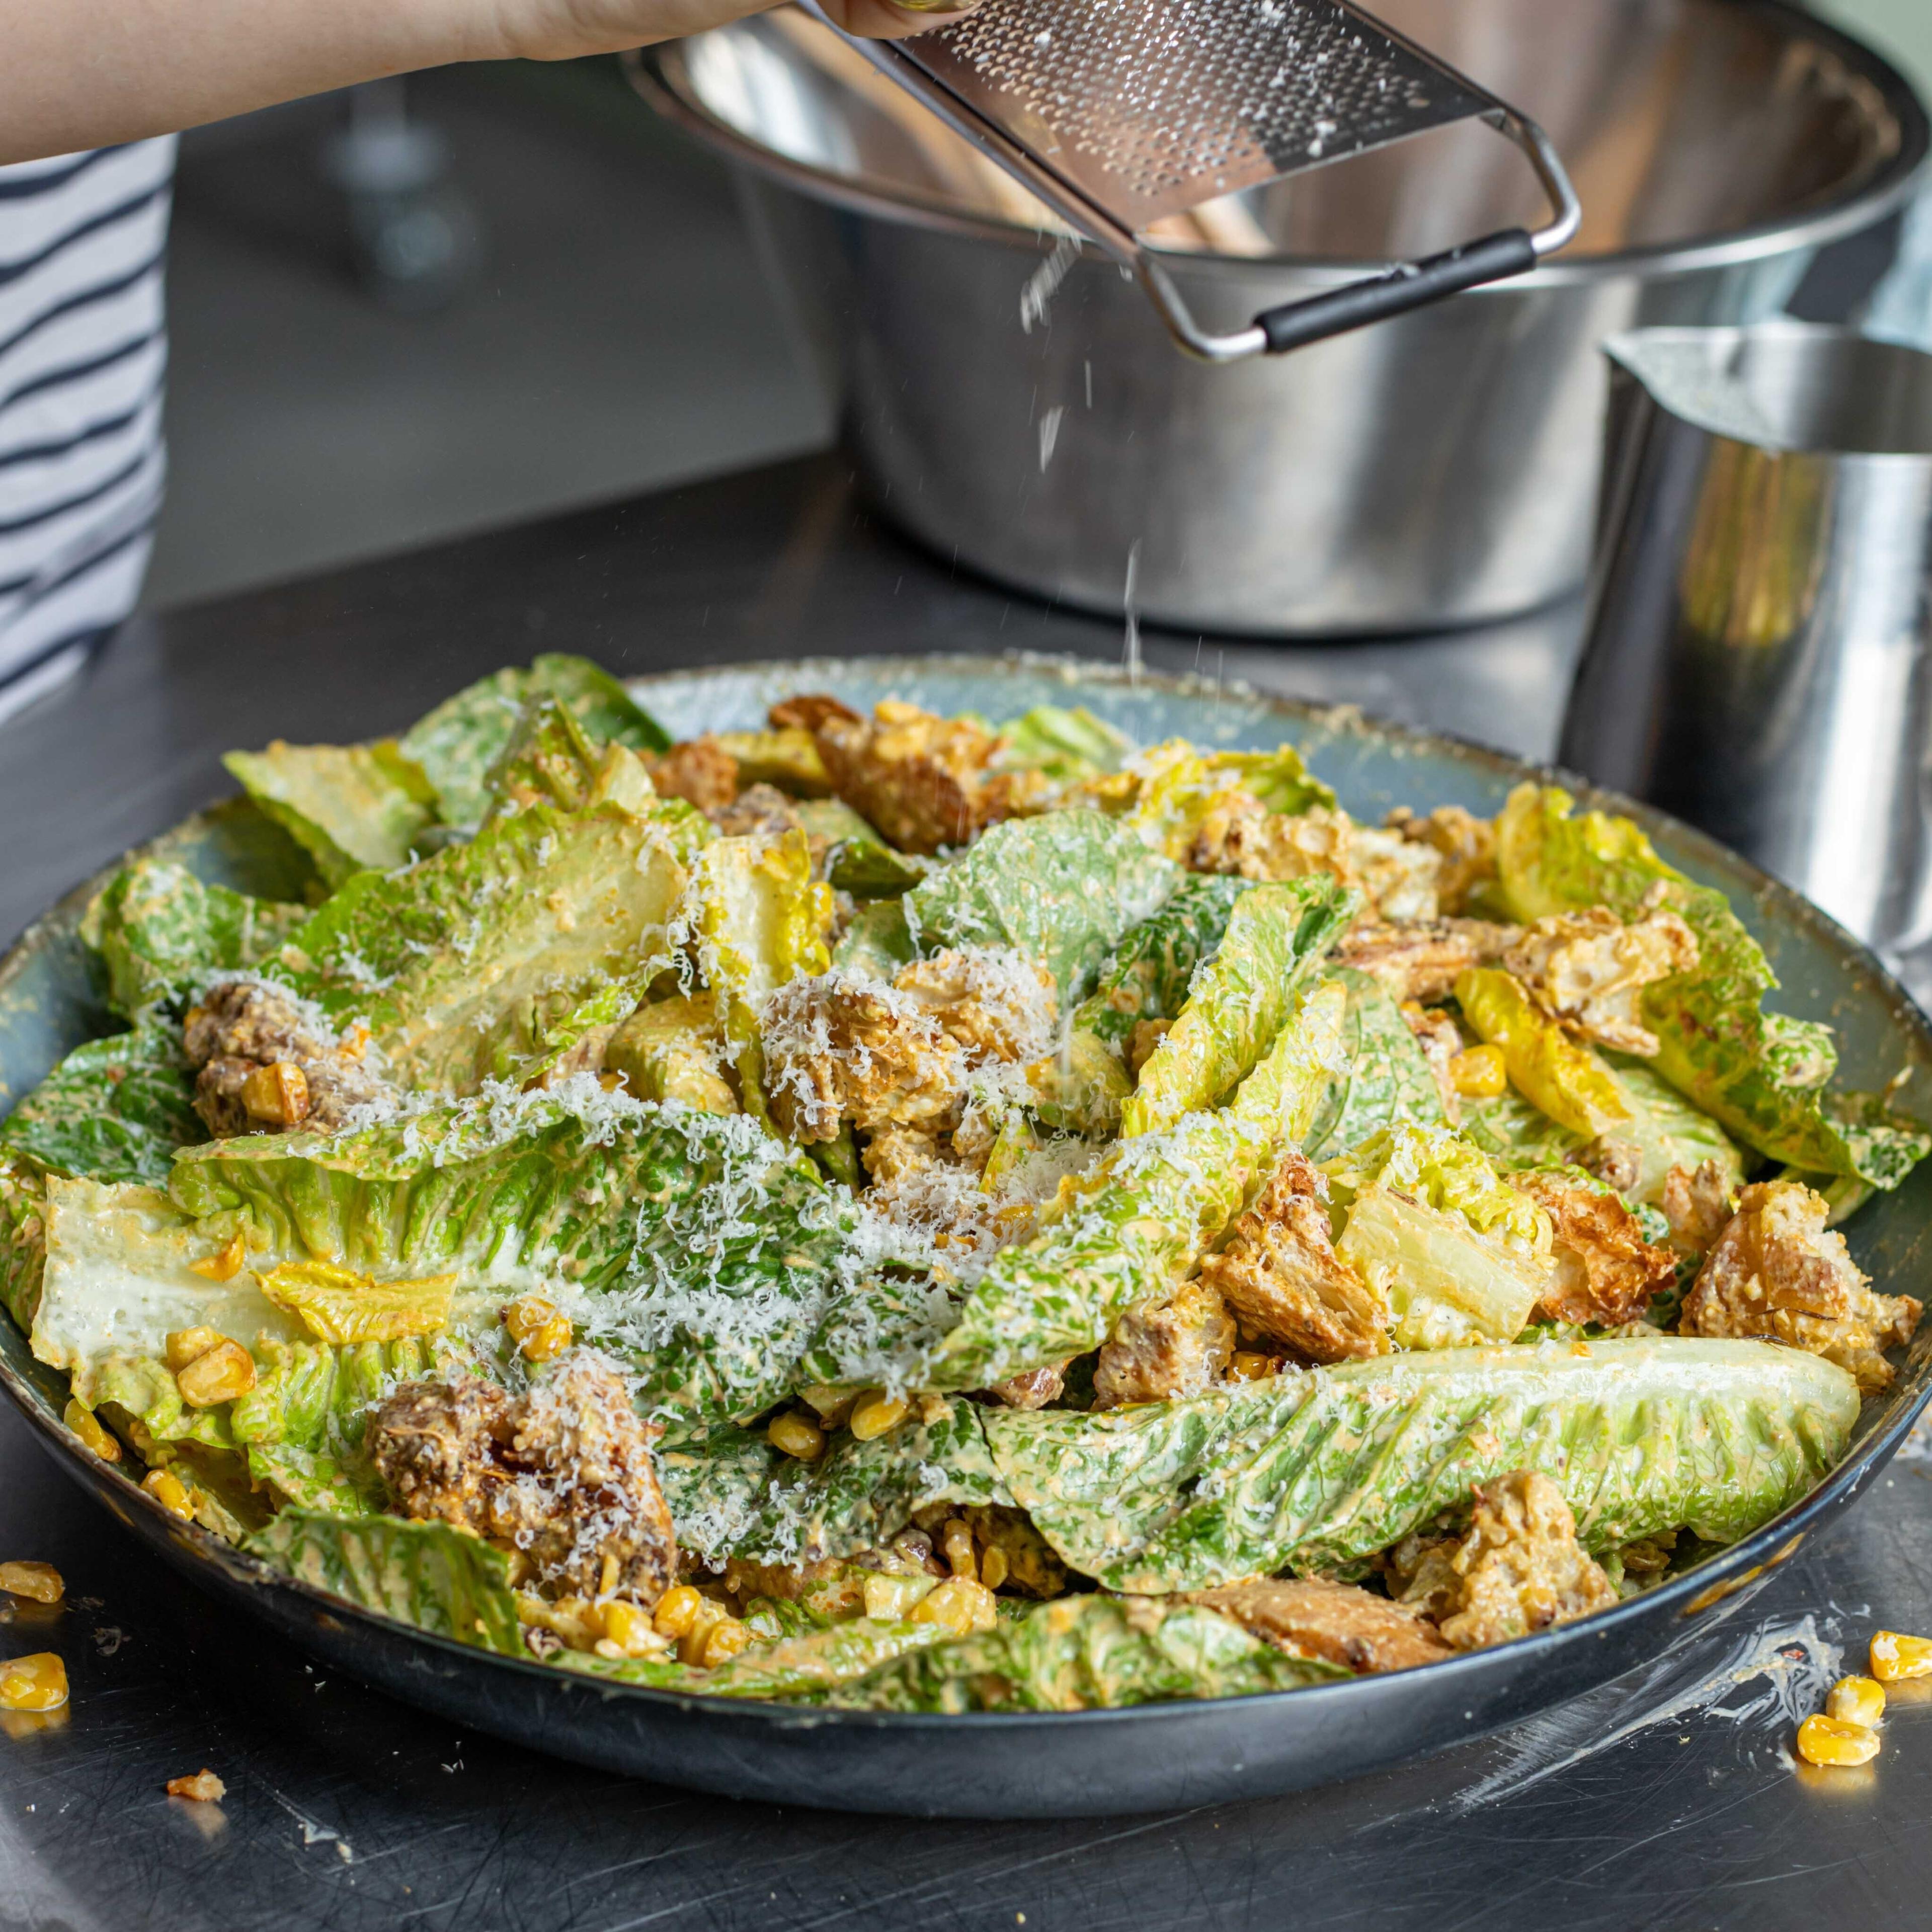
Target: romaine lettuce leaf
<point>121,1278</point>
<point>348,806</point>
<point>1277,936</point>
<point>428,1574</point>
<point>786,757</point>
<point>159,929</point>
<point>731,1495</point>
<point>758,920</point>
<point>1317,1471</point>
<point>1446,1285</point>
<point>457,744</point>
<point>1758,1074</point>
<point>670,1050</point>
<point>1560,1075</point>
<point>1063,889</point>
<point>1514,1134</point>
<point>1063,744</point>
<point>1438,1167</point>
<point>857,859</point>
<point>1179,785</point>
<point>877,943</point>
<point>798,1668</point>
<point>550,760</point>
<point>1132,1228</point>
<point>492,959</point>
<point>1382,1077</point>
<point>696,1246</point>
<point>114,1109</point>
<point>23,1236</point>
<point>1085,1653</point>
<point>1148,974</point>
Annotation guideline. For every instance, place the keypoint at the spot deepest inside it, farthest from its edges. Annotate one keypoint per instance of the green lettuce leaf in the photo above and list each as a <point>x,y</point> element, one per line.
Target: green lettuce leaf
<point>1561,1076</point>
<point>491,959</point>
<point>458,742</point>
<point>1759,1075</point>
<point>798,1668</point>
<point>1065,744</point>
<point>732,1494</point>
<point>856,858</point>
<point>877,943</point>
<point>551,760</point>
<point>1277,936</point>
<point>1318,1471</point>
<point>1382,1077</point>
<point>1438,1167</point>
<point>23,1236</point>
<point>638,1219</point>
<point>348,806</point>
<point>1085,1653</point>
<point>159,930</point>
<point>1148,974</point>
<point>114,1109</point>
<point>1514,1134</point>
<point>1064,888</point>
<point>1180,785</point>
<point>427,1574</point>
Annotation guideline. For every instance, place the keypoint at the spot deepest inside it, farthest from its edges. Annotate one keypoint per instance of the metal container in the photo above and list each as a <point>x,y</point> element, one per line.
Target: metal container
<point>1756,659</point>
<point>1011,402</point>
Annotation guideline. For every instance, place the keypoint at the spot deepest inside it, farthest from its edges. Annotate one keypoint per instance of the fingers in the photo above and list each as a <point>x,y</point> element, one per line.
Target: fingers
<point>881,20</point>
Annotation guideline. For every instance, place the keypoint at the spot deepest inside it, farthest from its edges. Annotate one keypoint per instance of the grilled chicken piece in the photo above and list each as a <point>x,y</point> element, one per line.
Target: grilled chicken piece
<point>1282,1279</point>
<point>1778,1272</point>
<point>1606,1271</point>
<point>1178,1347</point>
<point>1341,1622</point>
<point>266,1067</point>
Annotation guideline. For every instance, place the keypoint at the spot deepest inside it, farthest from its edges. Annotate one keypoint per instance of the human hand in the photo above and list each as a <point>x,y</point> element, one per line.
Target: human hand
<point>566,29</point>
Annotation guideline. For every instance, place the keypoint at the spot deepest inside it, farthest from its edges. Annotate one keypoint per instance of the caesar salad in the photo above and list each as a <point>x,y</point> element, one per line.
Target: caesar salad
<point>934,1213</point>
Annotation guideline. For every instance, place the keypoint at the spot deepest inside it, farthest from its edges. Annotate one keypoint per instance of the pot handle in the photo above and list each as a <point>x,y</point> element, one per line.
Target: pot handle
<point>1408,285</point>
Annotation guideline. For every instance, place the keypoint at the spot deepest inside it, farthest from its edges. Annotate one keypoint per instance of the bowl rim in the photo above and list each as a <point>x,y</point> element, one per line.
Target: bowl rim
<point>661,76</point>
<point>1700,1587</point>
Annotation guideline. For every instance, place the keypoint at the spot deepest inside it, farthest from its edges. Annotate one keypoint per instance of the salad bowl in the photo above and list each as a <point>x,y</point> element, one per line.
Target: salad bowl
<point>1149,1757</point>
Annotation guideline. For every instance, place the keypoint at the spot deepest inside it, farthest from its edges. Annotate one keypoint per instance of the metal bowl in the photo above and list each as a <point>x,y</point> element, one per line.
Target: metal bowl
<point>1013,404</point>
<point>1156,1756</point>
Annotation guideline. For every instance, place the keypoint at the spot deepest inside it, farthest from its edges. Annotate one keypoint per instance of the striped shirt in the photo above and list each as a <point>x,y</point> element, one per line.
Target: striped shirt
<point>83,354</point>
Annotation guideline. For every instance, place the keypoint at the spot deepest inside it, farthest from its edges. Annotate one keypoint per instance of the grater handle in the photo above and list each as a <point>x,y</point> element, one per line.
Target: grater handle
<point>1410,285</point>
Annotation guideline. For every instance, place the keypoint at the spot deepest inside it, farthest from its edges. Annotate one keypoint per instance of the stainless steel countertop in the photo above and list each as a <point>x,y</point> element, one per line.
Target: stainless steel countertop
<point>1667,1800</point>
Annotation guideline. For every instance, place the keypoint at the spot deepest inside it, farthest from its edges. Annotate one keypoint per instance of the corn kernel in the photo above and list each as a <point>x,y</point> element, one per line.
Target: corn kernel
<point>994,1569</point>
<point>628,1627</point>
<point>961,1605</point>
<point>1479,1072</point>
<point>1250,1365</point>
<point>1895,1657</point>
<point>676,1611</point>
<point>224,1266</point>
<point>691,1645</point>
<point>40,1581</point>
<point>187,1344</point>
<point>36,1683</point>
<point>1856,1700</point>
<point>539,1328</point>
<point>226,1371</point>
<point>792,1434</point>
<point>1826,1740</point>
<point>277,1095</point>
<point>170,1491</point>
<point>80,1419</point>
<point>875,1414</point>
<point>956,1543</point>
<point>204,1787</point>
<point>726,1638</point>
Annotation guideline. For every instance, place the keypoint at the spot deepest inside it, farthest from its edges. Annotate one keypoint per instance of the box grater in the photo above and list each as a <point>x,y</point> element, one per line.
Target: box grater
<point>1116,112</point>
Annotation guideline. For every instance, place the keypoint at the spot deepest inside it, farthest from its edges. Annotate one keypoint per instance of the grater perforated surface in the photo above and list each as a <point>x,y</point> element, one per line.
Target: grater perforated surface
<point>1149,107</point>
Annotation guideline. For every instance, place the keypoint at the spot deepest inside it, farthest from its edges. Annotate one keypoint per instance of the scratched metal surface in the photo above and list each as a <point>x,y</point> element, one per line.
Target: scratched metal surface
<point>1667,1800</point>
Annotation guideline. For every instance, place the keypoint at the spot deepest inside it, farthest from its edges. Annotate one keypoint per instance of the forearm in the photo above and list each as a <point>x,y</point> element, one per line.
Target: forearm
<point>87,74</point>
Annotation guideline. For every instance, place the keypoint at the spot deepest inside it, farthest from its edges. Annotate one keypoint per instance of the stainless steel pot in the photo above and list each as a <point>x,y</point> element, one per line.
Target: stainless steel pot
<point>1011,402</point>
